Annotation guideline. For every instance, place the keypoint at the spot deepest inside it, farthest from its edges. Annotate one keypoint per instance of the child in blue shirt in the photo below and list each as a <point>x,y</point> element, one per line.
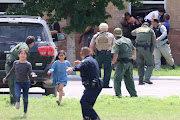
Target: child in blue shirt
<point>58,69</point>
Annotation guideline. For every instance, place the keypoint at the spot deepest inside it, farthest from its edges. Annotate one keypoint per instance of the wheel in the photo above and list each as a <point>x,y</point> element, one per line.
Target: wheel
<point>49,91</point>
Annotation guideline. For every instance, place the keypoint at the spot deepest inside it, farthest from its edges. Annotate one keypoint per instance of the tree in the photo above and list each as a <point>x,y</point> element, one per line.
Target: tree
<point>78,13</point>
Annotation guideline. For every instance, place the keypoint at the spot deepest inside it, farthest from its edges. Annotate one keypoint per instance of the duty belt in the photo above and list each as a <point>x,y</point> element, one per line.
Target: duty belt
<point>126,60</point>
<point>95,83</point>
<point>145,46</point>
<point>104,51</point>
<point>10,63</point>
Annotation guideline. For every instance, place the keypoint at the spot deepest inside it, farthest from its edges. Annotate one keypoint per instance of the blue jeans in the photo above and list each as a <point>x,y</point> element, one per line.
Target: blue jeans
<point>87,102</point>
<point>25,87</point>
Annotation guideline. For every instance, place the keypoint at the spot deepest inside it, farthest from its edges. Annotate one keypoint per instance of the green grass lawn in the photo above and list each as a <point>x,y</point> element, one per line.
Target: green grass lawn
<point>107,107</point>
<point>165,71</point>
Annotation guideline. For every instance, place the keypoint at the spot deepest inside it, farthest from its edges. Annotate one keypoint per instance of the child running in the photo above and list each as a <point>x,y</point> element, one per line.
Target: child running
<point>22,69</point>
<point>59,73</point>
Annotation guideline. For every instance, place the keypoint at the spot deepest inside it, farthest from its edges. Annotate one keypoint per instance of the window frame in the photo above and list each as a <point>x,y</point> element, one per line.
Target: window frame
<point>149,2</point>
<point>10,1</point>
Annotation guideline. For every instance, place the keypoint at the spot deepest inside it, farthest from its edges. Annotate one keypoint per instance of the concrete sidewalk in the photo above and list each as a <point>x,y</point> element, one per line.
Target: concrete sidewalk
<point>77,77</point>
<point>161,87</point>
<point>74,89</point>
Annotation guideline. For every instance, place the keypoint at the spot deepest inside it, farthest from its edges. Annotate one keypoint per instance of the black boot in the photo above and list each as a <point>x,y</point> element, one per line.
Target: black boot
<point>148,82</point>
<point>141,83</point>
<point>173,67</point>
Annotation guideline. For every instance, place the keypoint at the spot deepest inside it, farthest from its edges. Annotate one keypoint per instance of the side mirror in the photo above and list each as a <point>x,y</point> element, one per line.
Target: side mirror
<point>61,36</point>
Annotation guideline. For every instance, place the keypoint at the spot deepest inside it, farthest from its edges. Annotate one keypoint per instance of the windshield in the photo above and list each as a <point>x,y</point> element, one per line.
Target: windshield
<point>18,32</point>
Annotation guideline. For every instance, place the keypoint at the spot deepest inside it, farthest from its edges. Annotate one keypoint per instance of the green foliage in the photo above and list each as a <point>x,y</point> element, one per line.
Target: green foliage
<point>82,13</point>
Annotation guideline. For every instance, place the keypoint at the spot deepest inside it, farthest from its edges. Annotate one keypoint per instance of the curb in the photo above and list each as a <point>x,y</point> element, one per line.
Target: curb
<point>78,78</point>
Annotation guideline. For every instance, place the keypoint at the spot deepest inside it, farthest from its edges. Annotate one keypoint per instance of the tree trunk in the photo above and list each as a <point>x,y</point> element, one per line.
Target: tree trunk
<point>71,56</point>
<point>71,48</point>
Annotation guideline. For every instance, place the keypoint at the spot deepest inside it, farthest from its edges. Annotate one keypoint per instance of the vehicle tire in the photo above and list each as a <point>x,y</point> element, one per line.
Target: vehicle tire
<point>49,91</point>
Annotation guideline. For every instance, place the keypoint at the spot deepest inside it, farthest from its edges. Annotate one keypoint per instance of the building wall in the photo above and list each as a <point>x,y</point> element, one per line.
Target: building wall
<point>173,10</point>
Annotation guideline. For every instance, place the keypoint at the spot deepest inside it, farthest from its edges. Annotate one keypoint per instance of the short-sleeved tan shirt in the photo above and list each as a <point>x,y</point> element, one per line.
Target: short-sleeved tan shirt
<point>110,37</point>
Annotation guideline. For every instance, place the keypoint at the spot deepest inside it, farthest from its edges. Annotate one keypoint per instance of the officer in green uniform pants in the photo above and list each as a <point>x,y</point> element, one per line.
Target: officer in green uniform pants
<point>145,42</point>
<point>102,43</point>
<point>10,58</point>
<point>123,51</point>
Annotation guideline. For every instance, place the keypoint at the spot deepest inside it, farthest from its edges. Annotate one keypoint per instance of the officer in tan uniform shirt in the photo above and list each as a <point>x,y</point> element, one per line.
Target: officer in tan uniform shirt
<point>100,46</point>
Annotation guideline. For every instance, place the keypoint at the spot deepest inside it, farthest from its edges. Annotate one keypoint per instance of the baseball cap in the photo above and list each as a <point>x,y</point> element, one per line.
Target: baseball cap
<point>118,32</point>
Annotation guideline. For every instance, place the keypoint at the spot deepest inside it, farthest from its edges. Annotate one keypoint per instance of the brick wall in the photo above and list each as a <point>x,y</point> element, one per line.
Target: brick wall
<point>174,39</point>
<point>173,10</point>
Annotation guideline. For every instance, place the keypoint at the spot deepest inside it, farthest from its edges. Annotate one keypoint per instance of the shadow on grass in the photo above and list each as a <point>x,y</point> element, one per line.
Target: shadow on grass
<point>18,118</point>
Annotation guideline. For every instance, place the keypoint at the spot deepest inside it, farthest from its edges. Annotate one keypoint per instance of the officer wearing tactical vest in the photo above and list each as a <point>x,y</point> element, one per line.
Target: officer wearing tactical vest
<point>162,45</point>
<point>145,39</point>
<point>123,51</point>
<point>102,43</point>
<point>10,58</point>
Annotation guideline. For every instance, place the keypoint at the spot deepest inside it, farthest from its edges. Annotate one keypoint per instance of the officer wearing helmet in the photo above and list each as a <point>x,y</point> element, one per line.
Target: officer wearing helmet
<point>145,43</point>
<point>124,54</point>
<point>101,45</point>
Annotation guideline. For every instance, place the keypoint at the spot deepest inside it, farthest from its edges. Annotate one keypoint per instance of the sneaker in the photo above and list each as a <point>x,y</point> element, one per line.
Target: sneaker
<point>24,115</point>
<point>17,105</point>
<point>58,102</point>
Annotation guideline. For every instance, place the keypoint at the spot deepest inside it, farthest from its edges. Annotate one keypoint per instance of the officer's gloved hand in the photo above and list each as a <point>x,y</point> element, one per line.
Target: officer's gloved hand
<point>113,66</point>
<point>134,62</point>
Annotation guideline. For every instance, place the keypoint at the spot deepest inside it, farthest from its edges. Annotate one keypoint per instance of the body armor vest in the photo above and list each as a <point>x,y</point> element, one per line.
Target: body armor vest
<point>158,31</point>
<point>102,41</point>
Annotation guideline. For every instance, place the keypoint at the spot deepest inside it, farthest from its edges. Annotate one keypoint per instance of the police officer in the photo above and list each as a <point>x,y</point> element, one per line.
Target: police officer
<point>123,51</point>
<point>55,29</point>
<point>145,38</point>
<point>102,44</point>
<point>10,58</point>
<point>162,47</point>
<point>89,70</point>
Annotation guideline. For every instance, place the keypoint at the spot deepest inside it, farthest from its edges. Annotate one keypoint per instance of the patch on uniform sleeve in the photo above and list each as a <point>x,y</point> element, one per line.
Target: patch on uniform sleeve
<point>114,45</point>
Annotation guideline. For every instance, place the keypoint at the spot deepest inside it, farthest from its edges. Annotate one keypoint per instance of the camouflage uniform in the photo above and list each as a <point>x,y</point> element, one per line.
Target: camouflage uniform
<point>145,42</point>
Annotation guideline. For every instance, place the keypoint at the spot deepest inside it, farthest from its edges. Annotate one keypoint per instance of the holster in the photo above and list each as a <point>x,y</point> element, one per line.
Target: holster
<point>10,63</point>
<point>95,83</point>
<point>126,60</point>
<point>145,46</point>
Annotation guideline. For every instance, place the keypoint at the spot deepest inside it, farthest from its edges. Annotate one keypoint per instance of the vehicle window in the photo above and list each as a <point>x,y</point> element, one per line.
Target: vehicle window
<point>19,32</point>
